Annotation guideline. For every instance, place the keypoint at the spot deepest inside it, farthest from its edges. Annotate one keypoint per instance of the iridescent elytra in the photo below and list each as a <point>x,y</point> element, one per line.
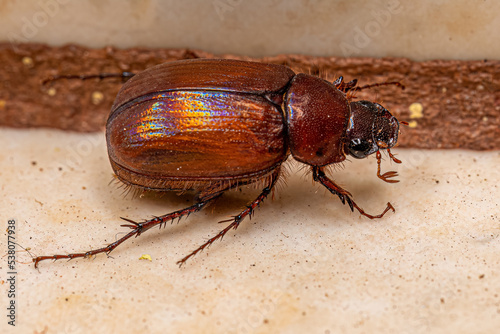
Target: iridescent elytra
<point>210,125</point>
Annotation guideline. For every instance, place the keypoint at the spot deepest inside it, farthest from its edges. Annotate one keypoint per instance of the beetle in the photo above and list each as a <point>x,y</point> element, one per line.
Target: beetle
<point>210,125</point>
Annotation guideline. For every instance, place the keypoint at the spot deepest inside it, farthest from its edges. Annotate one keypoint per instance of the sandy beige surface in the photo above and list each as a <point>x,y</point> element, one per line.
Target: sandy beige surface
<point>304,263</point>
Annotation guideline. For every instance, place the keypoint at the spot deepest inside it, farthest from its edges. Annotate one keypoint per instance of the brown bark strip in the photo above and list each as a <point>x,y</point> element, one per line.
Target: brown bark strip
<point>449,103</point>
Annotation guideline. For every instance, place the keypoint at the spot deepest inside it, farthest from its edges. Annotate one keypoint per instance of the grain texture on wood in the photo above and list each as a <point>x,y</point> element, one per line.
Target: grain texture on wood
<point>449,104</point>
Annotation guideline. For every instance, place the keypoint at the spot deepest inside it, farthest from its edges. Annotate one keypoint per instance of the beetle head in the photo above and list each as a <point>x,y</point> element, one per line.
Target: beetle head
<point>371,127</point>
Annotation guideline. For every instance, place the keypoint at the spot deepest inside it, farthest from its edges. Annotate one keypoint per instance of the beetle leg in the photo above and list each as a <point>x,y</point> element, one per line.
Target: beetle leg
<point>320,176</point>
<point>137,229</point>
<point>237,219</point>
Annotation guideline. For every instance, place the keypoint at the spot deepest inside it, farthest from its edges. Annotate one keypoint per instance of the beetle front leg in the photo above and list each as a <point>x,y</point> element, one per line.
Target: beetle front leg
<point>237,219</point>
<point>320,176</point>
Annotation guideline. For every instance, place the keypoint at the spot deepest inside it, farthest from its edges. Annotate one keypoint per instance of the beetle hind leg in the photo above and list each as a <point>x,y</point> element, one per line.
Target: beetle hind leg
<point>320,176</point>
<point>236,220</point>
<point>137,229</point>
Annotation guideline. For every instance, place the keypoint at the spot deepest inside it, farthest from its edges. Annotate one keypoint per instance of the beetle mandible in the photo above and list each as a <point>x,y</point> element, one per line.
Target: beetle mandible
<point>211,125</point>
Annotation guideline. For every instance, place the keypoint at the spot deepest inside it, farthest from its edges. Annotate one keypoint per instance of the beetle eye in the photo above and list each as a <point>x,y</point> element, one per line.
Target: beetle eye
<point>360,148</point>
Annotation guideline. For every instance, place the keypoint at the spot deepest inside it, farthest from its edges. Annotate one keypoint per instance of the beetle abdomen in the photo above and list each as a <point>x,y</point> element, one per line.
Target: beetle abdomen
<point>195,136</point>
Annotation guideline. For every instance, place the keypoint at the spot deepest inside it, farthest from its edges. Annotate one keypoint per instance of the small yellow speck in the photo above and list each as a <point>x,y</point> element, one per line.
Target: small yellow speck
<point>146,257</point>
<point>485,118</point>
<point>412,124</point>
<point>28,62</point>
<point>51,91</point>
<point>416,110</point>
<point>443,90</point>
<point>2,104</point>
<point>97,97</point>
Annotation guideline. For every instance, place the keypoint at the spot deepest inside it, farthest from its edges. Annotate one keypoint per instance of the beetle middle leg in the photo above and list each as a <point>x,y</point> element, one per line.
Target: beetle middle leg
<point>345,196</point>
<point>237,219</point>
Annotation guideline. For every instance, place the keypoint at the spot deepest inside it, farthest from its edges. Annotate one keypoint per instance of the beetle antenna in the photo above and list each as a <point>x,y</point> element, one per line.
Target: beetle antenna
<point>124,75</point>
<point>393,157</point>
<point>395,83</point>
<point>387,175</point>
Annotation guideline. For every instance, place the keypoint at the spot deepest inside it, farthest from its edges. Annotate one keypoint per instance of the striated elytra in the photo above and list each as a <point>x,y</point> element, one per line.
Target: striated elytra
<point>210,125</point>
